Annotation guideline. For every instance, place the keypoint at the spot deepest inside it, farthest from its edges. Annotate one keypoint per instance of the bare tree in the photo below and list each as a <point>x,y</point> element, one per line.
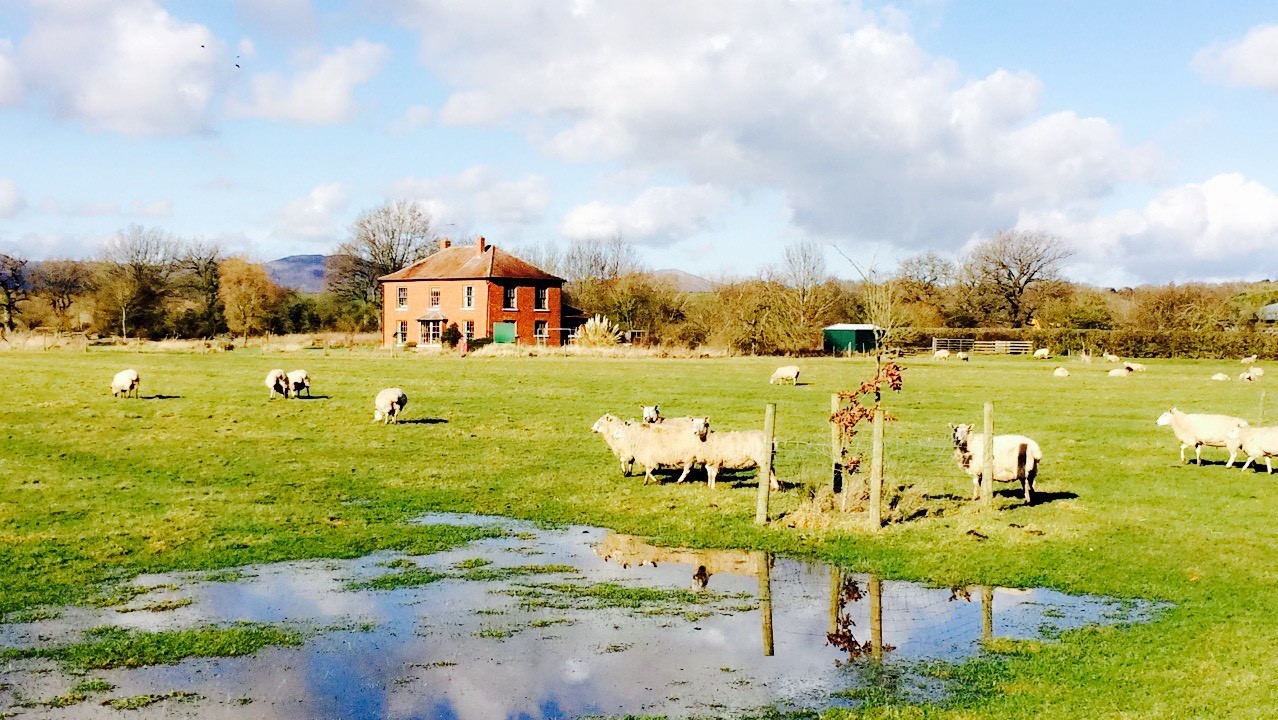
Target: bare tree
<point>545,255</point>
<point>924,276</point>
<point>14,285</point>
<point>606,259</point>
<point>382,240</point>
<point>1012,262</point>
<point>135,277</point>
<point>881,300</point>
<point>200,263</point>
<point>61,283</point>
<point>805,296</point>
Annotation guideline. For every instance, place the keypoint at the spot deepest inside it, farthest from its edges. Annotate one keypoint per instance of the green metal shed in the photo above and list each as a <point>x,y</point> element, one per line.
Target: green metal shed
<point>844,337</point>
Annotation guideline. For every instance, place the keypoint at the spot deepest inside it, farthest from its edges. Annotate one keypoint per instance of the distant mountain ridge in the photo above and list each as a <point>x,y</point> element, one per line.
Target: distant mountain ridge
<point>684,281</point>
<point>304,273</point>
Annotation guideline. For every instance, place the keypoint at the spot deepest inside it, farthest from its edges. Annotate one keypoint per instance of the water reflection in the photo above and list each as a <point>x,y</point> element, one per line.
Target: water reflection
<point>753,630</point>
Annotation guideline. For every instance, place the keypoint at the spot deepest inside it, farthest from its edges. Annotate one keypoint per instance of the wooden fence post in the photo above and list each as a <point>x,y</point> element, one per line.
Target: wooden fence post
<point>765,472</point>
<point>876,472</point>
<point>987,467</point>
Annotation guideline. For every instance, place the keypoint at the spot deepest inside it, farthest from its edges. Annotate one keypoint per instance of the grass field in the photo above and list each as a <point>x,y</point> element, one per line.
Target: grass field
<point>204,472</point>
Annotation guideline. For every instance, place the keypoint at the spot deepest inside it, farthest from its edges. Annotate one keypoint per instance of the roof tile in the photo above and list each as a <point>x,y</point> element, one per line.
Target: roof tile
<point>466,262</point>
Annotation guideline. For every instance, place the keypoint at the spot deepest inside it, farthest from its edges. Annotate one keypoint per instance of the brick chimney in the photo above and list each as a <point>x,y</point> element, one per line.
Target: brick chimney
<point>481,244</point>
<point>445,244</point>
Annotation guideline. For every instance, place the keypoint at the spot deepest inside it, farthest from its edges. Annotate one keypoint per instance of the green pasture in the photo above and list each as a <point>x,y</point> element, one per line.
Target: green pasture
<point>204,472</point>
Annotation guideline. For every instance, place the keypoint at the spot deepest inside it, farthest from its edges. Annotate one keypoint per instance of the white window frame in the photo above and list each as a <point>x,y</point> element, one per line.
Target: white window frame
<point>401,298</point>
<point>514,298</point>
<point>468,298</point>
<point>468,331</point>
<point>436,296</point>
<point>539,295</point>
<point>403,331</point>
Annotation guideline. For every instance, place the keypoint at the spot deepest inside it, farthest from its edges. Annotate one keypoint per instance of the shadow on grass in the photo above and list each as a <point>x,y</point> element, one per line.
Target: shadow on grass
<point>310,397</point>
<point>162,397</point>
<point>421,421</point>
<point>1040,496</point>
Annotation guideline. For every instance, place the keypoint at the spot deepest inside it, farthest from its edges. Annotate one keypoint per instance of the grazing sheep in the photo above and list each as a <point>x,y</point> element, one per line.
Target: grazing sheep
<point>1042,353</point>
<point>1111,358</point>
<point>655,446</point>
<point>1246,376</point>
<point>1060,372</point>
<point>1016,458</point>
<point>388,405</point>
<point>1198,430</point>
<point>1220,377</point>
<point>782,374</point>
<point>963,357</point>
<point>1134,366</point>
<point>1261,442</point>
<point>1256,371</point>
<point>1249,359</point>
<point>738,450</point>
<point>299,380</point>
<point>277,381</point>
<point>605,427</point>
<point>1120,372</point>
<point>941,355</point>
<point>650,413</point>
<point>126,382</point>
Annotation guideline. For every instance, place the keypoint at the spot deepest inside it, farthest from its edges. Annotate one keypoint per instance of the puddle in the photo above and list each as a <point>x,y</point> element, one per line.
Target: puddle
<point>539,623</point>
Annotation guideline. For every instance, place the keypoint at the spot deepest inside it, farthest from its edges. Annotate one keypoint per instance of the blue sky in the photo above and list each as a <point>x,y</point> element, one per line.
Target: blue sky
<point>710,134</point>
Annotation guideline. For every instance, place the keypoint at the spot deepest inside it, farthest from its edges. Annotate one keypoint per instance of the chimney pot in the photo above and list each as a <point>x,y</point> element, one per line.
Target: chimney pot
<point>481,244</point>
<point>445,243</point>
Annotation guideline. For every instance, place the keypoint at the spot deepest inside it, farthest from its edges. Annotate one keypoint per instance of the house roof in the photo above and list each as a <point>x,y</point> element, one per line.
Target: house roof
<point>849,326</point>
<point>471,261</point>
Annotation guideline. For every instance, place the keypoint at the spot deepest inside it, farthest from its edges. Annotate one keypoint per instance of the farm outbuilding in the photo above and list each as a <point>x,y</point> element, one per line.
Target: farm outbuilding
<point>845,337</point>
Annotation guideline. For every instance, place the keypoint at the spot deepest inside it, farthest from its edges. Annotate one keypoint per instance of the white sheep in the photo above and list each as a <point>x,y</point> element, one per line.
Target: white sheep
<point>941,355</point>
<point>1249,359</point>
<point>655,446</point>
<point>1016,458</point>
<point>650,413</point>
<point>1256,371</point>
<point>1246,376</point>
<point>605,426</point>
<point>1199,430</point>
<point>1134,366</point>
<point>1042,353</point>
<point>388,405</point>
<point>1220,377</point>
<point>784,373</point>
<point>277,382</point>
<point>1120,372</point>
<point>1060,372</point>
<point>299,380</point>
<point>1261,442</point>
<point>737,450</point>
<point>963,357</point>
<point>126,382</point>
<point>1110,357</point>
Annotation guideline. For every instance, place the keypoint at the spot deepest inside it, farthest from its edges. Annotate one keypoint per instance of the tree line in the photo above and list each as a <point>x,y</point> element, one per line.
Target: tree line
<point>147,284</point>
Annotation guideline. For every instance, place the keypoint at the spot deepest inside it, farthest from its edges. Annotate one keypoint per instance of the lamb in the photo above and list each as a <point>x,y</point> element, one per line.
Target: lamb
<point>1220,377</point>
<point>1042,353</point>
<point>388,405</point>
<point>1111,358</point>
<point>1120,372</point>
<point>1261,442</point>
<point>126,382</point>
<point>299,380</point>
<point>941,355</point>
<point>1016,458</point>
<point>277,381</point>
<point>1134,366</point>
<point>1197,430</point>
<point>963,357</point>
<point>737,450</point>
<point>787,372</point>
<point>1249,359</point>
<point>1060,372</point>
<point>605,427</point>
<point>654,446</point>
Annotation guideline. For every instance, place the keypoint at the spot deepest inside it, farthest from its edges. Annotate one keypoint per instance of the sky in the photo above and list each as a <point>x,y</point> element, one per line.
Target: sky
<point>710,134</point>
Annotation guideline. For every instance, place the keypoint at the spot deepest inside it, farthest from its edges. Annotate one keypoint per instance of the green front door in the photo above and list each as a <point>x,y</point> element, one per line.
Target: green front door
<point>504,332</point>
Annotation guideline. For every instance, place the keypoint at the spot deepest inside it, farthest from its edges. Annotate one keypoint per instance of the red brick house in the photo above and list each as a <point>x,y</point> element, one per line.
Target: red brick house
<point>486,291</point>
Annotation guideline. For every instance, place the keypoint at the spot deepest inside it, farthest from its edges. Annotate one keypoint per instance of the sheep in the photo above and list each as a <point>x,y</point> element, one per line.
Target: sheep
<point>654,446</point>
<point>963,357</point>
<point>1249,359</point>
<point>1198,430</point>
<point>1016,458</point>
<point>782,374</point>
<point>277,382</point>
<point>1060,372</point>
<point>1134,366</point>
<point>388,405</point>
<point>1110,357</point>
<point>651,413</point>
<point>1220,377</point>
<point>126,382</point>
<point>1246,376</point>
<point>299,380</point>
<point>1261,442</point>
<point>1042,353</point>
<point>1256,371</point>
<point>941,355</point>
<point>1120,372</point>
<point>737,450</point>
<point>605,427</point>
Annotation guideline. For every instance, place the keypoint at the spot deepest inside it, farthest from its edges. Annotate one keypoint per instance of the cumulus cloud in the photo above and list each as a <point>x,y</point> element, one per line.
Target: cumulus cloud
<point>1251,61</point>
<point>478,197</point>
<point>11,200</point>
<point>659,216</point>
<point>293,19</point>
<point>124,66</point>
<point>866,135</point>
<point>11,88</point>
<point>415,117</point>
<point>314,216</point>
<point>322,95</point>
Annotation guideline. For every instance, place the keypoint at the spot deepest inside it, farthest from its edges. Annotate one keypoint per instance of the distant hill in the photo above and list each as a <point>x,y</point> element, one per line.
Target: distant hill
<point>684,281</point>
<point>304,273</point>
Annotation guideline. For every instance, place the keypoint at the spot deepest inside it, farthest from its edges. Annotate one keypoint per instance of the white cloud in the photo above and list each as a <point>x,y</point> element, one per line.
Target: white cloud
<point>415,117</point>
<point>867,136</point>
<point>478,198</point>
<point>293,19</point>
<point>11,88</point>
<point>11,200</point>
<point>123,66</point>
<point>322,95</point>
<point>1251,61</point>
<point>94,208</point>
<point>151,208</point>
<point>315,215</point>
<point>659,216</point>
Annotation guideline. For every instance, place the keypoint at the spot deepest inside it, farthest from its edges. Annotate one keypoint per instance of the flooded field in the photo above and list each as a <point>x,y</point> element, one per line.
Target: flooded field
<point>531,623</point>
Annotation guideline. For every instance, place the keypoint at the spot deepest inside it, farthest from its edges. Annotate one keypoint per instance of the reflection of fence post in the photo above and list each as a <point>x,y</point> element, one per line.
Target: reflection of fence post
<point>876,617</point>
<point>764,563</point>
<point>836,452</point>
<point>836,592</point>
<point>987,613</point>
<point>876,472</point>
<point>765,472</point>
<point>987,467</point>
